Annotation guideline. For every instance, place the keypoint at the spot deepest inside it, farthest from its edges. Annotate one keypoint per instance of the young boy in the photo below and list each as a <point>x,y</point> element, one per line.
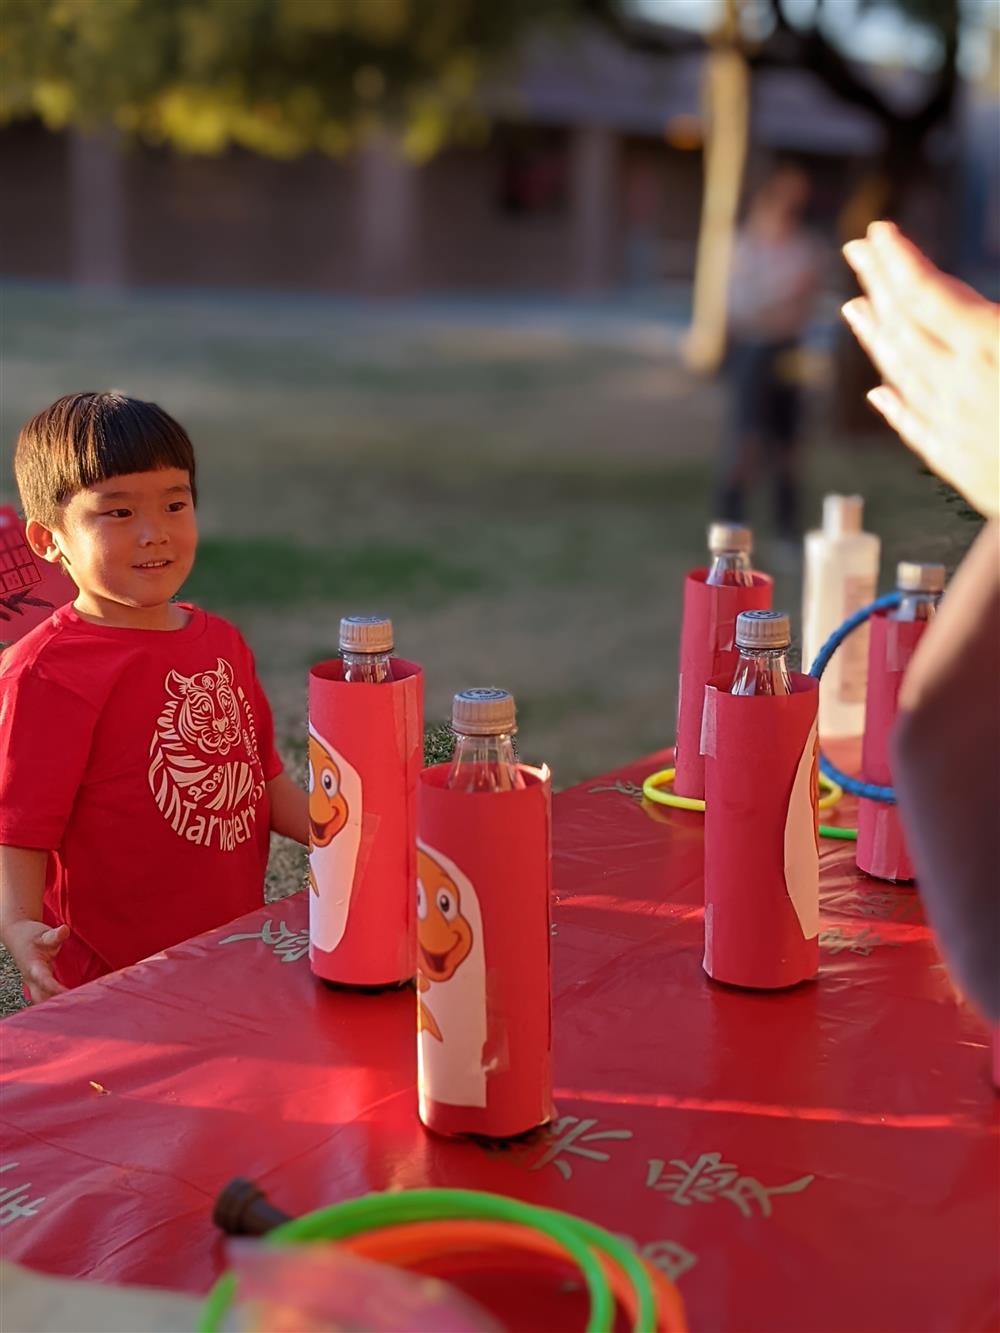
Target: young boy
<point>138,776</point>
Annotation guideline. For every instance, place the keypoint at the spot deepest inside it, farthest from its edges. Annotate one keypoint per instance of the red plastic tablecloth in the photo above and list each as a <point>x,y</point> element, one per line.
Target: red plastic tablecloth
<point>820,1159</point>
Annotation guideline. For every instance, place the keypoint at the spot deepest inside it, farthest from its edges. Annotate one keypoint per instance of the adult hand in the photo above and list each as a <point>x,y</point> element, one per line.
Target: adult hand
<point>33,947</point>
<point>936,343</point>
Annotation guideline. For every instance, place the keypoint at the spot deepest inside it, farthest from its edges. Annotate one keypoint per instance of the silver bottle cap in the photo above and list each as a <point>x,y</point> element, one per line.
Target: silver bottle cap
<point>366,634</point>
<point>914,577</point>
<point>483,712</point>
<point>759,630</point>
<point>729,537</point>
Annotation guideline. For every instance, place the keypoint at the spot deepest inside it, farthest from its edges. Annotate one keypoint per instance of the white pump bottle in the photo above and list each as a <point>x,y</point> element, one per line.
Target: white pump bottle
<point>841,576</point>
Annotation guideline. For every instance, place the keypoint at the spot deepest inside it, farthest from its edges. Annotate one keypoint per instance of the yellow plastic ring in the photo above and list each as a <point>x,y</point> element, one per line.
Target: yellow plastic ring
<point>651,790</point>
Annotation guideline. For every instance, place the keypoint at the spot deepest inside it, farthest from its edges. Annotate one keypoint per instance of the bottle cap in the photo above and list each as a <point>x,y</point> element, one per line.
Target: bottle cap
<point>842,513</point>
<point>763,630</point>
<point>729,537</point>
<point>483,713</point>
<point>914,577</point>
<point>366,634</point>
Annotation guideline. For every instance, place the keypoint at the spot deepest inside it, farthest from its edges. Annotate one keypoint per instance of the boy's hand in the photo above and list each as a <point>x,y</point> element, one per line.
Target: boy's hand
<point>33,945</point>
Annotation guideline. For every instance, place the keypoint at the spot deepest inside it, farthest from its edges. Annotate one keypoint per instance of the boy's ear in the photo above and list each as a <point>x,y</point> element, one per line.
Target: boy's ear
<point>42,541</point>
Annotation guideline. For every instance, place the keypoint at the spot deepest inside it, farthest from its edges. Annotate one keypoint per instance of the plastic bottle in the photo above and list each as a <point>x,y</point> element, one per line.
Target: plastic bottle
<point>841,576</point>
<point>763,638</point>
<point>921,587</point>
<point>730,547</point>
<point>484,723</point>
<point>366,649</point>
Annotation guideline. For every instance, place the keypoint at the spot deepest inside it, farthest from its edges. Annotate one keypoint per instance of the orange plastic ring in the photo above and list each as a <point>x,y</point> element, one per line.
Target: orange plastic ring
<point>414,1244</point>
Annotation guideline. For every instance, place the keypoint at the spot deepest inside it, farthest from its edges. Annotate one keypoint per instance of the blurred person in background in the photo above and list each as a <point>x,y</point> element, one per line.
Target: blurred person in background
<point>936,344</point>
<point>775,280</point>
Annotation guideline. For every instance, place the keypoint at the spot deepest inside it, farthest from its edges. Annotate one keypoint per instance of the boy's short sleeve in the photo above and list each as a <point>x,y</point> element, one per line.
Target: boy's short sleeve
<point>45,738</point>
<point>269,757</point>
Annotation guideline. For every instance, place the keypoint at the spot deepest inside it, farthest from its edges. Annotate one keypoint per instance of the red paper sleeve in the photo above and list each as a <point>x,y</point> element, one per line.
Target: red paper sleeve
<point>365,753</point>
<point>761,835</point>
<point>881,849</point>
<point>483,957</point>
<point>708,649</point>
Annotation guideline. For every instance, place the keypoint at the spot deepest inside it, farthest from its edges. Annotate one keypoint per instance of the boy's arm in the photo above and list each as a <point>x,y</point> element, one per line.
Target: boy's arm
<point>31,943</point>
<point>289,809</point>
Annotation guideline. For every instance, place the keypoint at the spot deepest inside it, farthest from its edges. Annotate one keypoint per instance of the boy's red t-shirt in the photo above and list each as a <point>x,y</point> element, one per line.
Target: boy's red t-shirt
<point>138,759</point>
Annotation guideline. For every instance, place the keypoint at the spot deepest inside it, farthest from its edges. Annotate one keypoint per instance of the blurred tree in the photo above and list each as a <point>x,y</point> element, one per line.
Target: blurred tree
<point>881,191</point>
<point>280,77</point>
<point>887,187</point>
<point>905,130</point>
<point>726,114</point>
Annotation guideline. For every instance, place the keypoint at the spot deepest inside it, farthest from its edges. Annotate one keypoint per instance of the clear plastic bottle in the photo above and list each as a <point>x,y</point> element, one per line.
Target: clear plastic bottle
<point>484,723</point>
<point>763,638</point>
<point>729,546</point>
<point>366,649</point>
<point>841,576</point>
<point>921,587</point>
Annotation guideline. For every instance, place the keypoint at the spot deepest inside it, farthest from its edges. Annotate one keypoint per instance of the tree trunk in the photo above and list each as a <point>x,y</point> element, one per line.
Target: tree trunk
<point>727,115</point>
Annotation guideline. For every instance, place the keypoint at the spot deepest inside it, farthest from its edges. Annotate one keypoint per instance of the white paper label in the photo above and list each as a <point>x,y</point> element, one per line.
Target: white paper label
<point>451,983</point>
<point>335,813</point>
<point>802,841</point>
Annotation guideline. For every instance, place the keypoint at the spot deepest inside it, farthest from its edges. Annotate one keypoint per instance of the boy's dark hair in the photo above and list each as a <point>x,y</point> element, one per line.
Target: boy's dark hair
<point>84,438</point>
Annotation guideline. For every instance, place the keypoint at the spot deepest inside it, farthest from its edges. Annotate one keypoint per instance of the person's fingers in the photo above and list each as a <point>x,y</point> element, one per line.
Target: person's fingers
<point>912,428</point>
<point>51,940</point>
<point>910,365</point>
<point>40,982</point>
<point>864,261</point>
<point>900,278</point>
<point>924,295</point>
<point>861,257</point>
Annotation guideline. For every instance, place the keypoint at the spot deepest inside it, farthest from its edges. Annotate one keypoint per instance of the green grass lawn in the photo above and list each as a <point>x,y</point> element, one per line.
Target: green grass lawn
<point>522,502</point>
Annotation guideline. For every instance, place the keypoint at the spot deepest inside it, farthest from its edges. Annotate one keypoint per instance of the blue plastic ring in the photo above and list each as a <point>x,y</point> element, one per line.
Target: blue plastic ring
<point>868,789</point>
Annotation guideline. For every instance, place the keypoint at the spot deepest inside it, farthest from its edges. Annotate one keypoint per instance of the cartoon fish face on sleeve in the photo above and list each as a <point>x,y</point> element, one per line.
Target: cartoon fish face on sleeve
<point>451,982</point>
<point>335,812</point>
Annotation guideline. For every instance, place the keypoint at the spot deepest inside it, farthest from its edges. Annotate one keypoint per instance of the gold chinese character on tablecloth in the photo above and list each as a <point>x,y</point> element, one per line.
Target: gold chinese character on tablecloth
<point>889,904</point>
<point>671,1259</point>
<point>837,940</point>
<point>710,1178</point>
<point>568,1135</point>
<point>622,789</point>
<point>289,945</point>
<point>13,1201</point>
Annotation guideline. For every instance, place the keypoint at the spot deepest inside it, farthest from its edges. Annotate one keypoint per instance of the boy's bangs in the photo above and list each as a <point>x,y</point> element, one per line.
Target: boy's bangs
<point>131,437</point>
<point>84,438</point>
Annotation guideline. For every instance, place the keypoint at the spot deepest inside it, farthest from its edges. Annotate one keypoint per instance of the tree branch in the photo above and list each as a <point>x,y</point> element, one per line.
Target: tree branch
<point>813,51</point>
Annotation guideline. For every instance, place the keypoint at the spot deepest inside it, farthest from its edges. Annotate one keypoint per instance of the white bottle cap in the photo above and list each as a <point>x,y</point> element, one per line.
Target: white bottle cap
<point>913,577</point>
<point>366,634</point>
<point>483,712</point>
<point>842,513</point>
<point>729,537</point>
<point>761,630</point>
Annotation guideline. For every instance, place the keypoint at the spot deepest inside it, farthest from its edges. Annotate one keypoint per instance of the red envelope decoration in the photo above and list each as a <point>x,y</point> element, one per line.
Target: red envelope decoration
<point>30,588</point>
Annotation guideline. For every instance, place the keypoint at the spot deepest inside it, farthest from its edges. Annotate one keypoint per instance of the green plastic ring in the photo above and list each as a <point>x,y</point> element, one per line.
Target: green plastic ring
<point>374,1211</point>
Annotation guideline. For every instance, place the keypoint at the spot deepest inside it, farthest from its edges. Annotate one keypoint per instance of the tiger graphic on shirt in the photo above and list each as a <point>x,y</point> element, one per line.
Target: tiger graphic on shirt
<point>204,767</point>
